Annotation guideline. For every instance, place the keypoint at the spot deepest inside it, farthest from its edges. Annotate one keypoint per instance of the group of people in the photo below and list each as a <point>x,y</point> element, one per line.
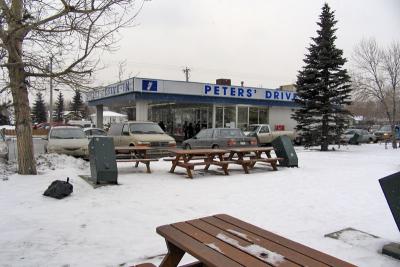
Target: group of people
<point>189,130</point>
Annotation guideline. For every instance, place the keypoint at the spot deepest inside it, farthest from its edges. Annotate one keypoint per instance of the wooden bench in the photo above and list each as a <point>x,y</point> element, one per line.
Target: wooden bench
<point>137,161</point>
<point>247,157</point>
<point>194,264</point>
<point>224,241</point>
<point>188,159</point>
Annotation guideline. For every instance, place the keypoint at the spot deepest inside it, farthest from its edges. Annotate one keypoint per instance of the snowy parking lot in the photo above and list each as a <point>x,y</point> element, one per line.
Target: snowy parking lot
<point>116,225</point>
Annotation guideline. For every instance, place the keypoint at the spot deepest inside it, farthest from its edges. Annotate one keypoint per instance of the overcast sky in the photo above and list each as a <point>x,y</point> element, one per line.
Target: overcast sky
<point>260,42</point>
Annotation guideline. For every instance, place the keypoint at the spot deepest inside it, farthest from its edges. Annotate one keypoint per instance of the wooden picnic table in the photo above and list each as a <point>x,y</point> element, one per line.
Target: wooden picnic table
<point>137,154</point>
<point>188,158</point>
<point>249,156</point>
<point>224,241</point>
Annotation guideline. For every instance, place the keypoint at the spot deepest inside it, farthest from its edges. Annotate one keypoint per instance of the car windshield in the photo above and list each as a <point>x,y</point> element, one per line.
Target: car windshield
<point>230,133</point>
<point>385,128</point>
<point>146,128</point>
<point>67,133</point>
<point>253,128</point>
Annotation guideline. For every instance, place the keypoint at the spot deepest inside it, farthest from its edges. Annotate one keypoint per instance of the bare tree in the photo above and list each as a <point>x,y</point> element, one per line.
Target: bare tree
<point>64,32</point>
<point>377,77</point>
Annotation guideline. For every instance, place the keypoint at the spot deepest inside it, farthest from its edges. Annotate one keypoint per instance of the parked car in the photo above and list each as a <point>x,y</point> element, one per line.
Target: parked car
<point>136,133</point>
<point>219,138</point>
<point>265,135</point>
<point>69,140</point>
<point>363,136</point>
<point>89,132</point>
<point>385,133</point>
<point>3,146</point>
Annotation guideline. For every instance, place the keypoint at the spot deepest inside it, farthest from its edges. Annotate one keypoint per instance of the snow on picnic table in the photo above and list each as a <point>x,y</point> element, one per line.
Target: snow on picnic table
<point>116,225</point>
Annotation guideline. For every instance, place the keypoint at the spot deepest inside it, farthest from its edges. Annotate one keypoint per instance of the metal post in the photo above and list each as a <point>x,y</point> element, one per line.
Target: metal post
<point>51,92</point>
<point>99,116</point>
<point>214,115</point>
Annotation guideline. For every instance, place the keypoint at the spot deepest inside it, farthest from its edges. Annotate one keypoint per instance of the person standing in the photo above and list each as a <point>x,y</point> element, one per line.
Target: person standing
<point>162,126</point>
<point>185,129</point>
<point>190,130</point>
<point>197,128</point>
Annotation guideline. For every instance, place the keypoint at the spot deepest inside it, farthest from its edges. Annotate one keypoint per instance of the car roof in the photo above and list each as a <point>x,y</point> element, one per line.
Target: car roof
<point>66,127</point>
<point>222,128</point>
<point>149,122</point>
<point>93,128</point>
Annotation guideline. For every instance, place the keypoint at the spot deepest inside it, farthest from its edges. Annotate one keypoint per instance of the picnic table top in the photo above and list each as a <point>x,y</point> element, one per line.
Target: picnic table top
<point>222,240</point>
<point>251,149</point>
<point>200,151</point>
<point>132,148</point>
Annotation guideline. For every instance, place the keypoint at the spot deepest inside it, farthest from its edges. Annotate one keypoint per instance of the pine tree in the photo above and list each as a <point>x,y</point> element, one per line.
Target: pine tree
<point>59,107</point>
<point>323,88</point>
<point>76,105</point>
<point>39,111</point>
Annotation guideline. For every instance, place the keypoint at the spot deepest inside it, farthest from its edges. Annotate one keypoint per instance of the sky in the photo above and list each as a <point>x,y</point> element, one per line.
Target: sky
<point>260,42</point>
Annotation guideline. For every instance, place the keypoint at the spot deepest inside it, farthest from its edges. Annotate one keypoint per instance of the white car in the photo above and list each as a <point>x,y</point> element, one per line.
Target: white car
<point>363,136</point>
<point>69,140</point>
<point>89,132</point>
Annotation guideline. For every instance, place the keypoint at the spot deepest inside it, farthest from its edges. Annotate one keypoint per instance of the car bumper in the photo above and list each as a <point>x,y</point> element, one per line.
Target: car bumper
<point>71,152</point>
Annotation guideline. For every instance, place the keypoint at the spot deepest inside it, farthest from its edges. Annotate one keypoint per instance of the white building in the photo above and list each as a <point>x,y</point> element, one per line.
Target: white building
<point>211,105</point>
<point>109,117</point>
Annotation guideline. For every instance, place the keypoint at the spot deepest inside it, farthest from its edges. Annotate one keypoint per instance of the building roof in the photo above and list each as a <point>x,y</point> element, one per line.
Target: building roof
<point>108,113</point>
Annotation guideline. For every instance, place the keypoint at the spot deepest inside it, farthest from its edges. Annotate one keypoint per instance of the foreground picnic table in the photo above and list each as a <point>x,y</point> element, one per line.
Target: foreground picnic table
<point>224,241</point>
<point>188,158</point>
<point>247,157</point>
<point>137,154</point>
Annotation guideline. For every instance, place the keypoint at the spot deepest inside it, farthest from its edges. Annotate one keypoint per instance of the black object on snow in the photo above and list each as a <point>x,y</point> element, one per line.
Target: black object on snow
<point>59,189</point>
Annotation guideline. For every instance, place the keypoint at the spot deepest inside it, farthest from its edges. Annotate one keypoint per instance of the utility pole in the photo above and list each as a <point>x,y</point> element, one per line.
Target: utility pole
<point>186,71</point>
<point>51,92</point>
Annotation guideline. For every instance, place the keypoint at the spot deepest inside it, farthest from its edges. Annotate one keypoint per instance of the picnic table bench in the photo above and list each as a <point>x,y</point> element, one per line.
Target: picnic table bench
<point>137,154</point>
<point>224,241</point>
<point>188,159</point>
<point>247,157</point>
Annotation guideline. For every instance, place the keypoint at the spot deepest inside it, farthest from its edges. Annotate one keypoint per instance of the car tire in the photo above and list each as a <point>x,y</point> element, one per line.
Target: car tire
<point>187,146</point>
<point>215,147</point>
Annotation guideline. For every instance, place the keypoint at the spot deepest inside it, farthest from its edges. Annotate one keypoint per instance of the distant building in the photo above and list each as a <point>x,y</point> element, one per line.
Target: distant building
<point>110,117</point>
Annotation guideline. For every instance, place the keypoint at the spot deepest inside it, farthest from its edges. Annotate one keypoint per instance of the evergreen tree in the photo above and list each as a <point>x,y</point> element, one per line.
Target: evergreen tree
<point>323,88</point>
<point>39,111</point>
<point>76,105</point>
<point>59,107</point>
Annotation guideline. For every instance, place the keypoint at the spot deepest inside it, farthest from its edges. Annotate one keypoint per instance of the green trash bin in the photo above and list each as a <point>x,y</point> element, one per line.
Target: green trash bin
<point>284,149</point>
<point>103,164</point>
<point>355,140</point>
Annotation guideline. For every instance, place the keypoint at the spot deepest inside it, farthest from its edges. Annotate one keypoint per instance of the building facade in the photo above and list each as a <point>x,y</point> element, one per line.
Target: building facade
<point>207,105</point>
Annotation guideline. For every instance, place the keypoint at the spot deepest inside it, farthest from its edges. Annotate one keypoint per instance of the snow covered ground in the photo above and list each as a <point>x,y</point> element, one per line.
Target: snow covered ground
<point>115,225</point>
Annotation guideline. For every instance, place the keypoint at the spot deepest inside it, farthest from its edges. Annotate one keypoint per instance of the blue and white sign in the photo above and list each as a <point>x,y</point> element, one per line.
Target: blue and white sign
<point>229,91</point>
<point>192,89</point>
<point>111,90</point>
<point>149,85</point>
<point>249,93</point>
<point>280,95</point>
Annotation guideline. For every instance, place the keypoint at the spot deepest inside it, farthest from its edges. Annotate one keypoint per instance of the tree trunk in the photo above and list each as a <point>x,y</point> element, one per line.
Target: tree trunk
<point>324,131</point>
<point>23,121</point>
<point>23,125</point>
<point>394,137</point>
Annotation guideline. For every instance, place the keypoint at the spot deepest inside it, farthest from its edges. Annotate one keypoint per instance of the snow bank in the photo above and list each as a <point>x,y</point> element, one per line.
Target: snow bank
<point>116,225</point>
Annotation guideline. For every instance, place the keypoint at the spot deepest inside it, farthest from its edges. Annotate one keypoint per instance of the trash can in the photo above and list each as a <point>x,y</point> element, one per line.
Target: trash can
<point>355,140</point>
<point>103,164</point>
<point>284,149</point>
